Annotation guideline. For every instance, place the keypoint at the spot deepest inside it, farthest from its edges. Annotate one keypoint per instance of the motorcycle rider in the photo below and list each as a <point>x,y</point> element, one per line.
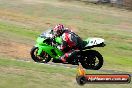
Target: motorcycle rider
<point>70,41</point>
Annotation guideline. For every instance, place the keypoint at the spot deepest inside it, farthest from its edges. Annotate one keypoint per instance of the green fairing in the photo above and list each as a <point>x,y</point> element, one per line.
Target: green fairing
<point>52,51</point>
<point>40,41</point>
<point>58,40</point>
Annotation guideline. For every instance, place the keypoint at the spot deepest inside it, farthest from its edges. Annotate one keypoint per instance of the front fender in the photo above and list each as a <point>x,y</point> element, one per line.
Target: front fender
<point>37,45</point>
<point>52,51</point>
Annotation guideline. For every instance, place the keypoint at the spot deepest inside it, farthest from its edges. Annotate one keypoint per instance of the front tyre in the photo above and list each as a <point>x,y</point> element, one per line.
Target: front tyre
<point>43,58</point>
<point>92,60</point>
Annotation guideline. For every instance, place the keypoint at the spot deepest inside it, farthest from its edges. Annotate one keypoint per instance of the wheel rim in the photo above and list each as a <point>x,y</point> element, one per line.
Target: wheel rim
<point>91,62</point>
<point>42,57</point>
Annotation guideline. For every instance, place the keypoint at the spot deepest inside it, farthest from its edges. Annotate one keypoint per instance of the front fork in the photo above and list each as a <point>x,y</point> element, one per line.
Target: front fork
<point>39,50</point>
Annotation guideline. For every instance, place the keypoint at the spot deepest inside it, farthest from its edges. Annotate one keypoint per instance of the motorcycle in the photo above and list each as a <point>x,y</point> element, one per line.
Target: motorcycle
<point>46,50</point>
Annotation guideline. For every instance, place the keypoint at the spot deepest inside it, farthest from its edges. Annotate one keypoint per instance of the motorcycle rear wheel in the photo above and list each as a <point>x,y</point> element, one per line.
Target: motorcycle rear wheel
<point>89,60</point>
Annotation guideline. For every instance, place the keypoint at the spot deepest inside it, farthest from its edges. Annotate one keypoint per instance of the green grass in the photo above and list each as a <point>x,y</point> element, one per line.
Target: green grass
<point>18,74</point>
<point>17,33</point>
<point>12,29</point>
<point>29,19</point>
<point>23,20</point>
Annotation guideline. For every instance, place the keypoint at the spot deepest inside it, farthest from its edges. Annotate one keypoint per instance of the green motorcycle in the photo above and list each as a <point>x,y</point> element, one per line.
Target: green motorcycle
<point>46,50</point>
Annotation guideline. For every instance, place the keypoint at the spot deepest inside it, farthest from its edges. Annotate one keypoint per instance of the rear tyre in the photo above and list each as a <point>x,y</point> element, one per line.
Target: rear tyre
<point>92,60</point>
<point>43,58</point>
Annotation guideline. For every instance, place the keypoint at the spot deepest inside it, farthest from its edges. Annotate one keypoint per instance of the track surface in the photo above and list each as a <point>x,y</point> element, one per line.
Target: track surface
<point>75,66</point>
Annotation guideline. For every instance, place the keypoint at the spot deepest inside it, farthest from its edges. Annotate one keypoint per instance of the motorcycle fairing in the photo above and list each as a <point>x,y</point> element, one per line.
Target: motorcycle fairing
<point>52,51</point>
<point>93,41</point>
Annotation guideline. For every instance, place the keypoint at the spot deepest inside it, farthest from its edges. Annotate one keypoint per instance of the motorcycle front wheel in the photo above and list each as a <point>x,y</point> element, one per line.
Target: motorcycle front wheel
<point>43,58</point>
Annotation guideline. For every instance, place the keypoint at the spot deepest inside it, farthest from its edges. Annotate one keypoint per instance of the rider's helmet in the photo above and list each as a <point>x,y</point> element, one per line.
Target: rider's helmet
<point>58,29</point>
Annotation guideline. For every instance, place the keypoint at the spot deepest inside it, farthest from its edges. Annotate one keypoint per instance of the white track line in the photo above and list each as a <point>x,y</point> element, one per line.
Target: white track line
<point>73,66</point>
